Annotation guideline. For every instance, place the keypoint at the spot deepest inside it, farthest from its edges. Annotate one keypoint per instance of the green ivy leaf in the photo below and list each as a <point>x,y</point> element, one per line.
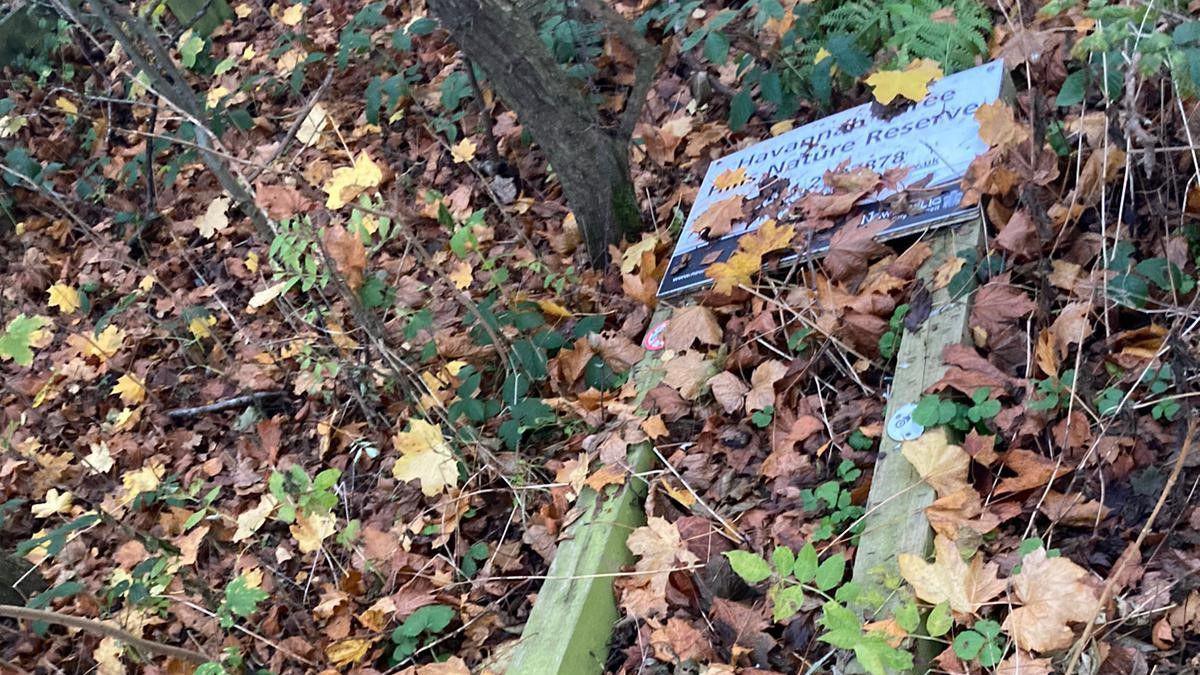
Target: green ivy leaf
<point>751,567</point>
<point>1073,89</point>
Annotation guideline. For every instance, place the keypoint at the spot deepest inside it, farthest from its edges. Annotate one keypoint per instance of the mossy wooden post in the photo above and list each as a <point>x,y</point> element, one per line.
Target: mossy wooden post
<point>895,522</point>
<point>572,620</point>
<point>217,13</point>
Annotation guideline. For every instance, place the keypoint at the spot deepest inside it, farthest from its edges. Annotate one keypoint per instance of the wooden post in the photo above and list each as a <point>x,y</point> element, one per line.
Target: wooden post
<point>571,623</point>
<point>895,522</point>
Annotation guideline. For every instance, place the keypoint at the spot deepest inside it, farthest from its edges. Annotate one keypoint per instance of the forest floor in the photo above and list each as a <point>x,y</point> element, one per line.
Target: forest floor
<point>205,444</point>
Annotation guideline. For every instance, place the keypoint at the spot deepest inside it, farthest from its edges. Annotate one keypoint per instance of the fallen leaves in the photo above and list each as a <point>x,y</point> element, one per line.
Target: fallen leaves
<point>425,456</point>
<point>997,126</point>
<point>748,259</point>
<point>852,247</point>
<point>64,297</point>
<point>659,549</point>
<point>348,182</point>
<point>717,220</point>
<point>215,218</point>
<point>1053,593</point>
<point>689,325</point>
<point>966,588</point>
<point>940,464</point>
<point>912,83</point>
<point>348,253</point>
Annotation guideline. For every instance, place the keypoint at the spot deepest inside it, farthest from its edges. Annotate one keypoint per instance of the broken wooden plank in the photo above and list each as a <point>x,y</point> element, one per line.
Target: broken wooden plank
<point>571,624</point>
<point>895,521</point>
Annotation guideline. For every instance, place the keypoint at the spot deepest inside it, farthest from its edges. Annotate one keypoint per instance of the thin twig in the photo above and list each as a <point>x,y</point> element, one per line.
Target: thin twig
<point>235,402</point>
<point>101,628</point>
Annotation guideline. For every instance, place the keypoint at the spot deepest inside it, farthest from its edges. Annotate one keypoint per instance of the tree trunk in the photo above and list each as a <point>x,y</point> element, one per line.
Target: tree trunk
<point>592,164</point>
<point>17,583</point>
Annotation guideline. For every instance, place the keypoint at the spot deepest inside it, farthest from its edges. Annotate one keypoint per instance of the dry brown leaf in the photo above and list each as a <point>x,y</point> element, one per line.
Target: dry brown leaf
<point>687,373</point>
<point>964,587</point>
<point>1074,509</point>
<point>1071,326</point>
<point>940,464</point>
<point>348,253</point>
<point>762,383</point>
<point>997,125</point>
<point>678,641</point>
<point>1033,470</point>
<point>962,509</point>
<point>658,549</point>
<point>852,247</point>
<point>728,390</point>
<point>1053,593</point>
<point>717,220</point>
<point>689,325</point>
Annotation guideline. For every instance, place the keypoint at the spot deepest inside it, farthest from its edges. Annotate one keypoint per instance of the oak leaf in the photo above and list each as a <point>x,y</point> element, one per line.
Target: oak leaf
<point>425,456</point>
<point>1052,592</point>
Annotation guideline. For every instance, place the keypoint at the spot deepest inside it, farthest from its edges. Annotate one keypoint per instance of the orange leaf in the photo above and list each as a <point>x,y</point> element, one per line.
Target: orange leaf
<point>717,219</point>
<point>734,272</point>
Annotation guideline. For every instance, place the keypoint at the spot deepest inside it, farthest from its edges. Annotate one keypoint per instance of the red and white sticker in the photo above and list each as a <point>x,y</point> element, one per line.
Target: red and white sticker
<point>654,339</point>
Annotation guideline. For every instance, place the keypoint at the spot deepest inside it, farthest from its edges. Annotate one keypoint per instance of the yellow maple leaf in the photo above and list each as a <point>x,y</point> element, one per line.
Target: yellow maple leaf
<point>200,326</point>
<point>102,346</point>
<point>912,83</point>
<point>348,182</point>
<point>768,237</point>
<point>998,126</point>
<point>243,10</point>
<point>425,456</point>
<point>145,479</point>
<point>107,656</point>
<point>215,218</point>
<point>949,579</point>
<point>131,390</point>
<point>54,502</point>
<point>251,261</point>
<point>730,178</point>
<point>311,529</point>
<point>734,272</point>
<point>250,520</point>
<point>463,151</point>
<point>64,297</point>
<point>292,15</point>
<point>345,652</point>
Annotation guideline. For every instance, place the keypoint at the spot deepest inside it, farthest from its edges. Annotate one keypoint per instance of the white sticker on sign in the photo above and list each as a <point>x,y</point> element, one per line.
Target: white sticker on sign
<point>902,427</point>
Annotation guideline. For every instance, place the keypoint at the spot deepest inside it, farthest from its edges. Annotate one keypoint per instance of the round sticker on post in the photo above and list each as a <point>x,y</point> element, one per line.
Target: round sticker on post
<point>902,427</point>
<point>654,339</point>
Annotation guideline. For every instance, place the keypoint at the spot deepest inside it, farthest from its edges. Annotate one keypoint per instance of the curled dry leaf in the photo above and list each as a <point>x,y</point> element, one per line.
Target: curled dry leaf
<point>728,390</point>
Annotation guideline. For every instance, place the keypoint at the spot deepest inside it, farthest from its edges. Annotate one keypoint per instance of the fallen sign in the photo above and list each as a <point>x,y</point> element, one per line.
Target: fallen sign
<point>935,140</point>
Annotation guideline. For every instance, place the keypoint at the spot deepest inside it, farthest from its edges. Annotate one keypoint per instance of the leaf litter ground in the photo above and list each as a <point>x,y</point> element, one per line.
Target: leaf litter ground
<point>224,527</point>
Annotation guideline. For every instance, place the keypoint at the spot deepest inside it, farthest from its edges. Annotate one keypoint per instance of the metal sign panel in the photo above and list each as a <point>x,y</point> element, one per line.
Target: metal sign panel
<point>936,139</point>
